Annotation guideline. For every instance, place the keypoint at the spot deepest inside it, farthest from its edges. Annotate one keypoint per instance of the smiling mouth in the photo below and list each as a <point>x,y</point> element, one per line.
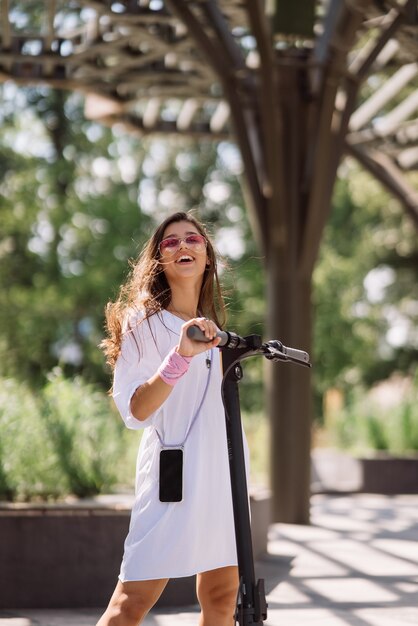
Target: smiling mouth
<point>185,259</point>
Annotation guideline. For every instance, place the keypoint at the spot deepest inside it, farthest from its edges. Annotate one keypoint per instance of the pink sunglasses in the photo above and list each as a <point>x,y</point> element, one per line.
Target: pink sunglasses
<point>172,244</point>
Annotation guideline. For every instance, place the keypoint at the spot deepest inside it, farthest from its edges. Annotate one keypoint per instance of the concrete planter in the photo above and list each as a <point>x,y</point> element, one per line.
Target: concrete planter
<point>333,471</point>
<point>68,555</point>
<point>389,475</point>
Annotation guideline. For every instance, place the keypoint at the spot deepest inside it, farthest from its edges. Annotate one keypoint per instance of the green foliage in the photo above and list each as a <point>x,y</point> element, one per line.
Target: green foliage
<point>365,426</point>
<point>28,460</point>
<point>365,289</point>
<point>69,223</point>
<point>86,437</point>
<point>63,440</point>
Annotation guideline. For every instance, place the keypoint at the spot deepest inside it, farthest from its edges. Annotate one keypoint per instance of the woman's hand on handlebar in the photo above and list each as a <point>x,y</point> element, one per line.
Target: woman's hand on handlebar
<point>189,347</point>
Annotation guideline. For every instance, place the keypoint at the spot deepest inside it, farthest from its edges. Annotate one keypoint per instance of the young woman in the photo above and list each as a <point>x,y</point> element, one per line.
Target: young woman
<point>171,386</point>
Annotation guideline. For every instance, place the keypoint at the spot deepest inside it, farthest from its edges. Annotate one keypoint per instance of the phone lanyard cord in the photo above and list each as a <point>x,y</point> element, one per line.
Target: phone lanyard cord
<point>181,445</point>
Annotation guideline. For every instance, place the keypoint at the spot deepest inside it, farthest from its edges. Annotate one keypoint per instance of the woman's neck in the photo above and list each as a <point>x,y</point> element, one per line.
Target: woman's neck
<point>184,303</point>
<point>186,313</point>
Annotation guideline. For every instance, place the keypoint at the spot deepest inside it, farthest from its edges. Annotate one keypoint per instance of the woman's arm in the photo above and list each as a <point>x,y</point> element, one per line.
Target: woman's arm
<point>151,395</point>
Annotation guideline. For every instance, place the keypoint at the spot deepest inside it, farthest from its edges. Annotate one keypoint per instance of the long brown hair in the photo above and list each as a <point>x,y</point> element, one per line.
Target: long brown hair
<point>146,288</point>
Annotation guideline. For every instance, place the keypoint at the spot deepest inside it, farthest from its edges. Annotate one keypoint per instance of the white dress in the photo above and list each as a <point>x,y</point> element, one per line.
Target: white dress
<point>176,539</point>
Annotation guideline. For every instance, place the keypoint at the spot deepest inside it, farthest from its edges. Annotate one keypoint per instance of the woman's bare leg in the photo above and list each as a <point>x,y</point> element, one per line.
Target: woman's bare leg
<point>131,601</point>
<point>217,594</point>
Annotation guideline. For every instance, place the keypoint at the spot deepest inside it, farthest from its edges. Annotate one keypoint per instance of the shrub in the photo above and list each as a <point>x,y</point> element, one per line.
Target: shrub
<point>365,426</point>
<point>64,440</point>
<point>87,436</point>
<point>29,464</point>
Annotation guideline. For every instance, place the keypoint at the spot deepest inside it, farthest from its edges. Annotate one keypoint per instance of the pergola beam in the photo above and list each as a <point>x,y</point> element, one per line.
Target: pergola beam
<point>387,53</point>
<point>187,113</point>
<point>233,54</point>
<point>322,189</point>
<point>220,116</point>
<point>403,134</point>
<point>405,109</point>
<point>233,78</point>
<point>408,158</point>
<point>326,144</point>
<point>387,92</point>
<point>395,19</point>
<point>270,123</point>
<point>386,172</point>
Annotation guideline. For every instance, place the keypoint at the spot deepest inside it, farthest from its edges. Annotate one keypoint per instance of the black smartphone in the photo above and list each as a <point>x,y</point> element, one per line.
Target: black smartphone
<point>171,475</point>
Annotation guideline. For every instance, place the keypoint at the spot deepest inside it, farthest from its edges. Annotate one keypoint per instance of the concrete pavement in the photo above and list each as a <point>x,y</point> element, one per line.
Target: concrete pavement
<point>356,565</point>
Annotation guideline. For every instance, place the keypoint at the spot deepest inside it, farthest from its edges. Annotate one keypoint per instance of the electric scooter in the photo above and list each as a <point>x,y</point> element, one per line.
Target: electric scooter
<point>251,608</point>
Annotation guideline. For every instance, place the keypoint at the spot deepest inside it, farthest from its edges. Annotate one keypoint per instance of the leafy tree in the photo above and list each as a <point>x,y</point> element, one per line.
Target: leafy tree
<point>70,221</point>
<point>365,286</point>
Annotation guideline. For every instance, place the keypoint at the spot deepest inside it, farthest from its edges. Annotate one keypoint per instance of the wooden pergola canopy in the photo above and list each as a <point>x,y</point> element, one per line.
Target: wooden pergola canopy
<point>162,67</point>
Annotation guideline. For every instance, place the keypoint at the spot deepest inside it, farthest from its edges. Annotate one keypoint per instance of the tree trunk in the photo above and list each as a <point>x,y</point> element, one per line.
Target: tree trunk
<point>289,395</point>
